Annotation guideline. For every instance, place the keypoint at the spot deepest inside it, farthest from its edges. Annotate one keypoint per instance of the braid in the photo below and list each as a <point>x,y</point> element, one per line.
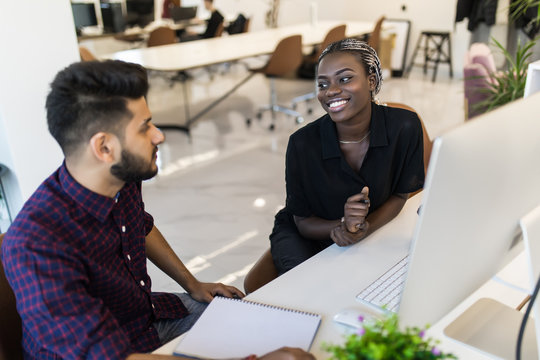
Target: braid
<point>364,53</point>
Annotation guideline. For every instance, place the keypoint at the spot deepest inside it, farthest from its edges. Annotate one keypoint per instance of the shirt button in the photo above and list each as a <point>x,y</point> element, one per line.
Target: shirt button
<point>123,229</point>
<point>142,282</point>
<point>153,307</point>
<point>128,257</point>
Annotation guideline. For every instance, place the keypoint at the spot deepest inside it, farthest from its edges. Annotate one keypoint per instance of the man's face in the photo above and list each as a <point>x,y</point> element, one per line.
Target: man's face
<point>139,146</point>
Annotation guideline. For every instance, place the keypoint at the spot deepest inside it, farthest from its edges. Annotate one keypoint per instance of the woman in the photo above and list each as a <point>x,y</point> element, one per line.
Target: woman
<point>349,172</point>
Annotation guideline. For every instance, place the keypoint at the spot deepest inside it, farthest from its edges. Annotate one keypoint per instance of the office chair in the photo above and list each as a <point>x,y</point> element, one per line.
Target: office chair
<point>161,36</point>
<point>374,38</point>
<point>11,329</point>
<point>264,269</point>
<point>428,143</point>
<point>309,63</point>
<point>219,30</point>
<point>285,59</point>
<point>85,54</point>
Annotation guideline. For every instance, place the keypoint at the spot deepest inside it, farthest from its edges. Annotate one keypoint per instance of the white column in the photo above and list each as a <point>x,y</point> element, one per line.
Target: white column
<point>38,39</point>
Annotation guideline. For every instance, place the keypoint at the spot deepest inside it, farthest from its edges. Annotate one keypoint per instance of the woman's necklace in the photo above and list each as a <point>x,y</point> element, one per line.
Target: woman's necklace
<point>355,141</point>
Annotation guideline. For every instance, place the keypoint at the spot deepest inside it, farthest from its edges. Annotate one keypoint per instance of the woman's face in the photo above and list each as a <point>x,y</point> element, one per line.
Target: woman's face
<point>344,89</point>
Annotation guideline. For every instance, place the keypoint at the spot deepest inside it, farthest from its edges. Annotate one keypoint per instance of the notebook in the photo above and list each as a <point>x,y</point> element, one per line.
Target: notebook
<point>235,328</point>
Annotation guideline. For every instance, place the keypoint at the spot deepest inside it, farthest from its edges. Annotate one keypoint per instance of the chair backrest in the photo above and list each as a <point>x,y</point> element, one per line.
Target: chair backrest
<point>161,36</point>
<point>480,53</point>
<point>85,54</point>
<point>219,30</point>
<point>10,322</point>
<point>428,143</point>
<point>287,57</point>
<point>335,34</point>
<point>246,25</point>
<point>375,36</point>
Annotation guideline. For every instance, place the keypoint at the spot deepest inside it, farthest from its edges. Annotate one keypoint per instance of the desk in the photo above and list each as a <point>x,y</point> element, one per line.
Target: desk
<point>201,53</point>
<point>308,287</point>
<point>329,281</point>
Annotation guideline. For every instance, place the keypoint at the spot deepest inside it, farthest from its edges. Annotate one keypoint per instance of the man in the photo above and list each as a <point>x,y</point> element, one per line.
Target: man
<point>75,255</point>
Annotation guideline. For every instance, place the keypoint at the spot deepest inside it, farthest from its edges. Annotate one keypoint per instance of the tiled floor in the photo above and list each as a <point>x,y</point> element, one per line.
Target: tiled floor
<point>216,194</point>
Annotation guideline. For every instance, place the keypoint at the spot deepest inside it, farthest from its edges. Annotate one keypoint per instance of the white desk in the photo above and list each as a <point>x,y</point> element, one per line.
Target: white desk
<point>329,282</point>
<point>201,53</point>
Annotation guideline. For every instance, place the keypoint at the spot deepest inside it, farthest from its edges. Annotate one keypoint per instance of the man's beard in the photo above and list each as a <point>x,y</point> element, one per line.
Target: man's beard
<point>133,168</point>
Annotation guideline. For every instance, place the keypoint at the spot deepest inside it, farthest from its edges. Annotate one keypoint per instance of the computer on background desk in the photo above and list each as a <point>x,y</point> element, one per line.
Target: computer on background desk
<point>179,14</point>
<point>483,177</point>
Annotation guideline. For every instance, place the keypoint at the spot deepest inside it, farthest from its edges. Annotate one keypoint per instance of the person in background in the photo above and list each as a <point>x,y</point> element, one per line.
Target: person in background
<point>75,256</point>
<point>349,172</point>
<point>212,24</point>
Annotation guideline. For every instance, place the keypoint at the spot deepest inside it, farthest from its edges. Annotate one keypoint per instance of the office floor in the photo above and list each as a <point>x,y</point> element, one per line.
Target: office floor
<point>217,191</point>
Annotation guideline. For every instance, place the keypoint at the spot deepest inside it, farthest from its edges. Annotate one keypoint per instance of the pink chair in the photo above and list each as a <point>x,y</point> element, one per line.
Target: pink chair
<point>478,71</point>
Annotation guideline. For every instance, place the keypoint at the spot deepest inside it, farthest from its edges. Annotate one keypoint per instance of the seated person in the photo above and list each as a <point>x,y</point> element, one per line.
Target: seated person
<point>212,24</point>
<point>349,172</point>
<point>75,256</point>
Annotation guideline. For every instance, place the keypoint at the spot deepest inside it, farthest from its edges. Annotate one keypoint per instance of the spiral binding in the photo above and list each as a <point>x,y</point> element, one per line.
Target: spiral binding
<point>272,306</point>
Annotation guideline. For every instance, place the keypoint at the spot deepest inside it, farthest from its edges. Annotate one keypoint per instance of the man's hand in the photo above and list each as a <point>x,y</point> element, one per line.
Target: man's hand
<point>287,353</point>
<point>205,292</point>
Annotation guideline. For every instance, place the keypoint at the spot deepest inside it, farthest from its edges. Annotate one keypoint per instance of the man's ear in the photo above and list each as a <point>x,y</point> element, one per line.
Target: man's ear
<point>104,146</point>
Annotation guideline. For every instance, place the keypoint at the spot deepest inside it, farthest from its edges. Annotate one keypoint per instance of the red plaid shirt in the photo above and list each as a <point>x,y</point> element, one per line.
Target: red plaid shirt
<point>76,261</point>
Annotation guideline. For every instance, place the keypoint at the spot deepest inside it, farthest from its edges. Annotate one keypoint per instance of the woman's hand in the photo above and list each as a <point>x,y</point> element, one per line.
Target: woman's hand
<point>356,210</point>
<point>343,237</point>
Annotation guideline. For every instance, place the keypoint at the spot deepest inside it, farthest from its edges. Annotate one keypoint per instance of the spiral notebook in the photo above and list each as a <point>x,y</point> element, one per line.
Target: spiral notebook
<point>235,328</point>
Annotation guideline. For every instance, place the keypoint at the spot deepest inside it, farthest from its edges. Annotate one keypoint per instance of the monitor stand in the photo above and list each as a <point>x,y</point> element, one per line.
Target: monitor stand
<point>492,327</point>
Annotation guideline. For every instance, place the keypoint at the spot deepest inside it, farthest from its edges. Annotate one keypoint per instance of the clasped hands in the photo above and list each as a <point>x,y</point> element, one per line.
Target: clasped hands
<point>354,226</point>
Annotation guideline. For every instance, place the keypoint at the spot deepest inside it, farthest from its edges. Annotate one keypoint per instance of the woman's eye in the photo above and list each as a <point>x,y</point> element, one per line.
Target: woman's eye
<point>322,86</point>
<point>345,79</point>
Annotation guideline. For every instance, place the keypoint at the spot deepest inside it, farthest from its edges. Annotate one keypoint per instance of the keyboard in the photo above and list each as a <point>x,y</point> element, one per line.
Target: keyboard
<point>386,290</point>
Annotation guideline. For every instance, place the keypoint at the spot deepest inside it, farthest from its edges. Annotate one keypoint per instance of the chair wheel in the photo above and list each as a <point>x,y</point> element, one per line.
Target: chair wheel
<point>299,120</point>
<point>271,127</point>
<point>248,122</point>
<point>310,111</point>
<point>294,106</point>
<point>259,116</point>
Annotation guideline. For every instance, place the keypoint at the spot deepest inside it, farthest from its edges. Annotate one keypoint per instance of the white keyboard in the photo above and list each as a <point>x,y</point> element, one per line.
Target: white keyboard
<point>386,290</point>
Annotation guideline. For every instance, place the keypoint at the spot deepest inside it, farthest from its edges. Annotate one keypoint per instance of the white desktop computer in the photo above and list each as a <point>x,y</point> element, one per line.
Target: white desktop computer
<point>483,177</point>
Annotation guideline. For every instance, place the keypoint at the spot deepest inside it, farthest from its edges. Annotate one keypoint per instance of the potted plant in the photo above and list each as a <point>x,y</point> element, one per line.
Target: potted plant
<point>383,339</point>
<point>509,84</point>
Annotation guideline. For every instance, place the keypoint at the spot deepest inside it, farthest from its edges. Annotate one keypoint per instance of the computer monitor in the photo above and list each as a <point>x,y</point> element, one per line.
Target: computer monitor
<point>139,12</point>
<point>482,178</point>
<point>84,14</point>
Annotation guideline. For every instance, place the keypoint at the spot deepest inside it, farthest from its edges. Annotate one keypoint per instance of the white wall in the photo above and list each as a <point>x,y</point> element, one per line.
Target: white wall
<point>38,39</point>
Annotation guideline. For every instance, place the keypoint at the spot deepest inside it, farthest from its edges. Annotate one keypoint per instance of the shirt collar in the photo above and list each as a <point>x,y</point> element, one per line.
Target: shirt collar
<point>98,206</point>
<point>329,138</point>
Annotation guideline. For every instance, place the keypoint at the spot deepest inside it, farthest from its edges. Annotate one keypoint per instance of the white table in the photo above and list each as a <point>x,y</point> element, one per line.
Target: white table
<point>329,282</point>
<point>201,53</point>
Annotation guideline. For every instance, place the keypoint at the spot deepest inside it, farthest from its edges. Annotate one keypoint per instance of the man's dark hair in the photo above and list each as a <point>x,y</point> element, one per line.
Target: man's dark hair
<point>89,97</point>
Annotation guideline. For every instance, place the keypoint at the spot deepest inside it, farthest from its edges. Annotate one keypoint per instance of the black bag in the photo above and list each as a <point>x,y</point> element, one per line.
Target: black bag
<point>237,26</point>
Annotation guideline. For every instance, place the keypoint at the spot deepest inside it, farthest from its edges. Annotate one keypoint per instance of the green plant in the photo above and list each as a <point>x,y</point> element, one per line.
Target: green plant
<point>383,339</point>
<point>519,7</point>
<point>508,85</point>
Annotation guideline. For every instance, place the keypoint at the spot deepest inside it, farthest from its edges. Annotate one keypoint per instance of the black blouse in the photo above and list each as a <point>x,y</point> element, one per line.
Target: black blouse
<point>319,180</point>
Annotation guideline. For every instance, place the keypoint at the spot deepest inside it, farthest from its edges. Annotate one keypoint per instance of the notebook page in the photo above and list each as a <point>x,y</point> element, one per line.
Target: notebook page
<point>233,328</point>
